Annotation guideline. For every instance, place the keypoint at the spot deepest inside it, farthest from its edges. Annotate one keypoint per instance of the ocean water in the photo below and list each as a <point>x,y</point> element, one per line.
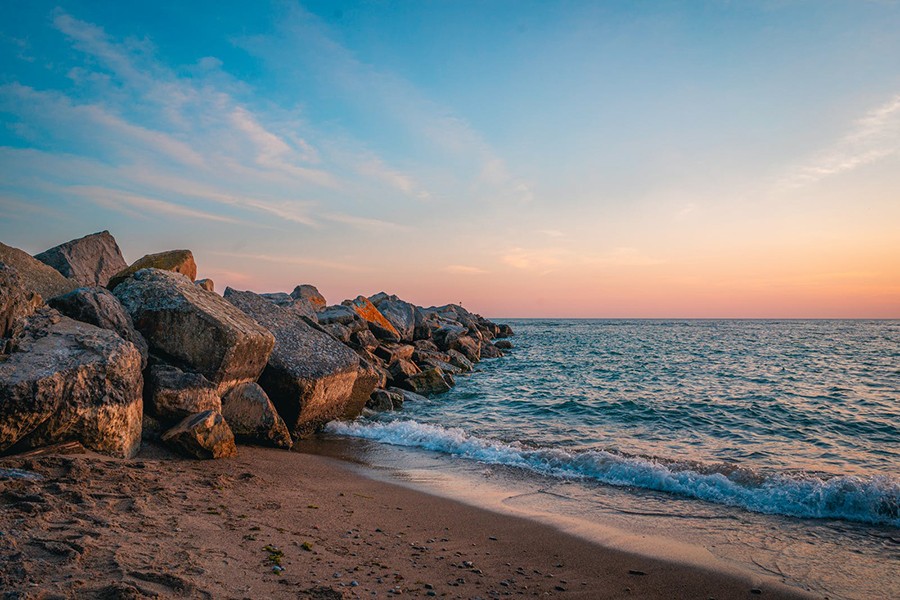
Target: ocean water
<point>799,420</point>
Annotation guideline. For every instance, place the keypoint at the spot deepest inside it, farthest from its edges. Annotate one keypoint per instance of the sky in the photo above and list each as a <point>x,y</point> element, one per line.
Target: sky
<point>693,159</point>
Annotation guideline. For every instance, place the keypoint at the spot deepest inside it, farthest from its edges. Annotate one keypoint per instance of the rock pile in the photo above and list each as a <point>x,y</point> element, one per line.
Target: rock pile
<point>92,350</point>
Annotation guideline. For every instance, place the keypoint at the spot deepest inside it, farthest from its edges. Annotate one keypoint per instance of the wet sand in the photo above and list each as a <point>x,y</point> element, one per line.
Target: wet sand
<point>161,526</point>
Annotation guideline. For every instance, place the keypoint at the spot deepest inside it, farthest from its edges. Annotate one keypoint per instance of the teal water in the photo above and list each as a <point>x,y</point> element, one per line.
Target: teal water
<point>796,418</point>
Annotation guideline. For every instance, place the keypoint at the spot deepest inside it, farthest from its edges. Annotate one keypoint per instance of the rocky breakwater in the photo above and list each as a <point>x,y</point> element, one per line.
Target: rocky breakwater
<point>158,355</point>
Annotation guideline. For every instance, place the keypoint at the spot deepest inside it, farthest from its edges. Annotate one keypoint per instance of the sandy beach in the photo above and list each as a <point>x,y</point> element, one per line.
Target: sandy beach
<point>159,526</point>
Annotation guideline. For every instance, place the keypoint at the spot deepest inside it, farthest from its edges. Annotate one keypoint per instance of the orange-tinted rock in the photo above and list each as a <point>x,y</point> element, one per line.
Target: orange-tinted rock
<point>380,326</point>
<point>177,261</point>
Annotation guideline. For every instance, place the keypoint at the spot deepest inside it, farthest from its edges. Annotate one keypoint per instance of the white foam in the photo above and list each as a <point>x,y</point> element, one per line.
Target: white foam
<point>868,500</point>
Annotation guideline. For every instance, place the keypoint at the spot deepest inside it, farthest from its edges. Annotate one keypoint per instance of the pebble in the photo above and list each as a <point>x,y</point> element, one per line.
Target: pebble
<point>354,583</point>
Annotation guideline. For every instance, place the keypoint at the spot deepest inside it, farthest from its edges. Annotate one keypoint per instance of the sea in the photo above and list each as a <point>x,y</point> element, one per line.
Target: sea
<point>768,446</point>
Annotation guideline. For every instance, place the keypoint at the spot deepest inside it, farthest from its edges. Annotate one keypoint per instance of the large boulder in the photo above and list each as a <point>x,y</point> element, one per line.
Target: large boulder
<point>342,315</point>
<point>70,381</point>
<point>98,306</point>
<point>504,330</point>
<point>203,435</point>
<point>400,314</point>
<point>310,376</point>
<point>16,302</point>
<point>90,260</point>
<point>428,382</point>
<point>253,418</point>
<point>172,394</point>
<point>309,293</point>
<point>176,261</point>
<point>195,328</point>
<point>383,400</point>
<point>368,377</point>
<point>34,275</point>
<point>380,326</point>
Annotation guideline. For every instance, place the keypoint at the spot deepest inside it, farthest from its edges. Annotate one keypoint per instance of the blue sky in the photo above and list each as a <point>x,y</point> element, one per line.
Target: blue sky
<point>526,158</point>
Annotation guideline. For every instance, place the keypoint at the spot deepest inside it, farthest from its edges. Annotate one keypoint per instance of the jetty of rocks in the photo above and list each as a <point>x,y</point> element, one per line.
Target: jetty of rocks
<point>106,354</point>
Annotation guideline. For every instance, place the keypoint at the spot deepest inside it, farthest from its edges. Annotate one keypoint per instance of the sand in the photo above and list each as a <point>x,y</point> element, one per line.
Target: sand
<point>166,527</point>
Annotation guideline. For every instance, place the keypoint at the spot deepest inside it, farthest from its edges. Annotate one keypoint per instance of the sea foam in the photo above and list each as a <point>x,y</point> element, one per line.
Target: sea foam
<point>868,500</point>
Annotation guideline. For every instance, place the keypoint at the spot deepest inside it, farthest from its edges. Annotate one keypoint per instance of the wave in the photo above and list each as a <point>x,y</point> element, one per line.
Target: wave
<point>868,500</point>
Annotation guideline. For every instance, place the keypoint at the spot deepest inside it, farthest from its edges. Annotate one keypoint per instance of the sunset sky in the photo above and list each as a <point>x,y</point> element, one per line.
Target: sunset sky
<point>568,159</point>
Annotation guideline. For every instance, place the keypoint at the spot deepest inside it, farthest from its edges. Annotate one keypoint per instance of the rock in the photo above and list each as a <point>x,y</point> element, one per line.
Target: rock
<point>339,332</point>
<point>151,428</point>
<point>428,382</point>
<point>89,261</point>
<point>368,377</point>
<point>426,324</point>
<point>172,394</point>
<point>195,328</point>
<point>503,344</point>
<point>16,302</point>
<point>380,326</point>
<point>70,381</point>
<point>310,294</point>
<point>279,298</point>
<point>364,339</point>
<point>470,347</point>
<point>382,400</point>
<point>400,314</point>
<point>203,435</point>
<point>309,376</point>
<point>434,361</point>
<point>402,369</point>
<point>489,350</point>
<point>504,331</point>
<point>206,284</point>
<point>253,418</point>
<point>342,315</point>
<point>446,335</point>
<point>407,395</point>
<point>98,306</point>
<point>390,352</point>
<point>177,261</point>
<point>35,276</point>
<point>458,359</point>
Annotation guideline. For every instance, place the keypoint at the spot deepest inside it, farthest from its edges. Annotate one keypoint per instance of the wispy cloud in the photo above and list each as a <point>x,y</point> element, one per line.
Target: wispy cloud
<point>874,137</point>
<point>364,223</point>
<point>136,205</point>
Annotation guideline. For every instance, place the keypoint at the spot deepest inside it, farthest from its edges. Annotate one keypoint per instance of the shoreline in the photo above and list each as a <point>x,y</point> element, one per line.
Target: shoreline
<point>102,527</point>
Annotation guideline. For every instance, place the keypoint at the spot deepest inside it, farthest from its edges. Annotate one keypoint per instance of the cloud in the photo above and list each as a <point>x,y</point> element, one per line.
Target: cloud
<point>874,137</point>
<point>136,205</point>
<point>464,270</point>
<point>363,222</point>
<point>375,168</point>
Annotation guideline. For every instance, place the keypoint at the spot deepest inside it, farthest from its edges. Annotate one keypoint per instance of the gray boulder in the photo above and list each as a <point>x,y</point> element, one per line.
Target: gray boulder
<point>368,377</point>
<point>489,350</point>
<point>282,299</point>
<point>402,369</point>
<point>70,381</point>
<point>468,346</point>
<point>195,328</point>
<point>407,395</point>
<point>90,260</point>
<point>203,435</point>
<point>35,276</point>
<point>459,360</point>
<point>253,418</point>
<point>16,302</point>
<point>503,344</point>
<point>504,330</point>
<point>364,339</point>
<point>400,314</point>
<point>342,315</point>
<point>98,306</point>
<point>309,294</point>
<point>428,382</point>
<point>172,394</point>
<point>382,400</point>
<point>309,376</point>
<point>339,332</point>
